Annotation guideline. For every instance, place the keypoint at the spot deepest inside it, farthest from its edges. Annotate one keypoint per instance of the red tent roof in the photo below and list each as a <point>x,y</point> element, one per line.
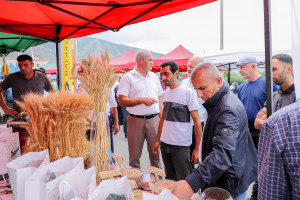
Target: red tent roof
<point>180,55</point>
<point>59,19</point>
<point>126,61</point>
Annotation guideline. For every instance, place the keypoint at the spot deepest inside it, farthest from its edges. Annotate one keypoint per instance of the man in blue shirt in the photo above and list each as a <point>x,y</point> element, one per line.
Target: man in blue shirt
<point>278,155</point>
<point>252,93</point>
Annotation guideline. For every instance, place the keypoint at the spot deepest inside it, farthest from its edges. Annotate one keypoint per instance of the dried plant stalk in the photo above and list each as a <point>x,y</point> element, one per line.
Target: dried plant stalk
<point>97,79</point>
<point>58,123</point>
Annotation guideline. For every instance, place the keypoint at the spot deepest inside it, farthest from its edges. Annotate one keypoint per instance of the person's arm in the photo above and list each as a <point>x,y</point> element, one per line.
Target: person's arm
<point>160,107</point>
<point>198,134</point>
<point>4,107</point>
<point>224,143</point>
<point>157,140</point>
<point>115,127</point>
<point>48,86</point>
<point>260,119</point>
<point>129,102</point>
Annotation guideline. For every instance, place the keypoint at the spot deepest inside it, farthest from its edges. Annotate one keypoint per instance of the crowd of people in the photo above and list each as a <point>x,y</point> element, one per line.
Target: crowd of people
<point>208,135</point>
<point>201,121</point>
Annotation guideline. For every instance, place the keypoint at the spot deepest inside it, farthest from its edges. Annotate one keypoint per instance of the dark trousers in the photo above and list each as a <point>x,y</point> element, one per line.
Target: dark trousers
<point>192,147</point>
<point>176,160</point>
<point>125,116</point>
<point>255,137</point>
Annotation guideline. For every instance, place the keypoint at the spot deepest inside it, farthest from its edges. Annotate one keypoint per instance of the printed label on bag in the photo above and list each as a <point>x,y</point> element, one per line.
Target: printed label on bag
<point>13,153</point>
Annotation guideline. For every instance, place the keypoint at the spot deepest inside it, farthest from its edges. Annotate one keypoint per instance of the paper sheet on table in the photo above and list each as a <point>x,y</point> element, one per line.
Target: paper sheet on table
<point>20,169</point>
<point>165,194</point>
<point>77,183</point>
<point>118,186</point>
<point>44,183</point>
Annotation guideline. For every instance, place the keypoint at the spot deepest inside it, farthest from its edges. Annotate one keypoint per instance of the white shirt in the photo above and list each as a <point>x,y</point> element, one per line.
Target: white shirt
<point>178,104</point>
<point>135,85</point>
<point>111,101</point>
<point>201,110</point>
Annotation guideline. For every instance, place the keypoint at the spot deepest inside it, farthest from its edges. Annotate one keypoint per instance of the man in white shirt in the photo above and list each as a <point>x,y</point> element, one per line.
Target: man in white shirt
<point>175,128</point>
<point>191,64</point>
<point>140,91</point>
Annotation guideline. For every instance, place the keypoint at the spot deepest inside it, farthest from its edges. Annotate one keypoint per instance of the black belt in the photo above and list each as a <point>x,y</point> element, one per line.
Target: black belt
<point>144,116</point>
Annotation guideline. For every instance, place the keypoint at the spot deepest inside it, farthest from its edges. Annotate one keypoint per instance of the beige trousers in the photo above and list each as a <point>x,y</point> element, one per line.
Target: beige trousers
<point>138,130</point>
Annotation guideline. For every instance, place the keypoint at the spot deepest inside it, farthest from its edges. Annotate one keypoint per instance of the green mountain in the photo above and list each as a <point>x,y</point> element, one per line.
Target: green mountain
<point>85,46</point>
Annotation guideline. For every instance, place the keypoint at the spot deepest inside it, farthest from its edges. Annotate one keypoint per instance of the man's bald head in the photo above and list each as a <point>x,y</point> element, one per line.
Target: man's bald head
<point>206,80</point>
<point>206,68</point>
<point>191,64</point>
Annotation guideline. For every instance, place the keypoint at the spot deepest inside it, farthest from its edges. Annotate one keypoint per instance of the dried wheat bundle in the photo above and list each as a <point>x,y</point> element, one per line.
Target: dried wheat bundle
<point>97,79</point>
<point>58,123</point>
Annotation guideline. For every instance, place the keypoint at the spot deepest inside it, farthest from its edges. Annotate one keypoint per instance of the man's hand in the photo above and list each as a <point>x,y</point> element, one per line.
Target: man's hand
<point>262,114</point>
<point>195,157</point>
<point>12,112</point>
<point>115,128</point>
<point>148,101</point>
<point>155,148</point>
<point>182,190</point>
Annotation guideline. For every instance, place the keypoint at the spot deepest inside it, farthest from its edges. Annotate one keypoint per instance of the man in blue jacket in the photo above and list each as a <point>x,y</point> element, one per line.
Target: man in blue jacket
<point>229,159</point>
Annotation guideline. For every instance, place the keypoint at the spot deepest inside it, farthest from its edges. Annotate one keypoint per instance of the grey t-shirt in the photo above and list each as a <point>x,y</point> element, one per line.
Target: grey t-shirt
<point>283,98</point>
<point>21,85</point>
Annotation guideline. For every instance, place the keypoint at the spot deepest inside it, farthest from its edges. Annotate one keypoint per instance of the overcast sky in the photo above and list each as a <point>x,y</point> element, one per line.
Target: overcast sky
<point>198,29</point>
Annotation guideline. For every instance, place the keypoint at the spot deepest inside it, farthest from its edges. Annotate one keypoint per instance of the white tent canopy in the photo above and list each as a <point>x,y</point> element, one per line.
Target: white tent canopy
<point>227,61</point>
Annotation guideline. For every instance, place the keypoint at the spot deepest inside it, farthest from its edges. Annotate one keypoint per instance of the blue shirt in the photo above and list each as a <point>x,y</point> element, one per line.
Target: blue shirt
<point>201,110</point>
<point>279,155</point>
<point>253,96</point>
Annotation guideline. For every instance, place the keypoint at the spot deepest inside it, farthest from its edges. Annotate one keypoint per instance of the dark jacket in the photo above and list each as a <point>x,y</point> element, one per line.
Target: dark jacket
<point>229,158</point>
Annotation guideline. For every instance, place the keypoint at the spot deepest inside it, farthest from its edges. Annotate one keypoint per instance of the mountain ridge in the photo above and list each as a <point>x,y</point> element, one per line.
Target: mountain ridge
<point>85,46</point>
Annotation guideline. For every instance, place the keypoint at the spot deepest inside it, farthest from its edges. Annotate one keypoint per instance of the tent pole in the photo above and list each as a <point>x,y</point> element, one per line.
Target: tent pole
<point>229,74</point>
<point>268,56</point>
<point>58,66</point>
<point>58,72</point>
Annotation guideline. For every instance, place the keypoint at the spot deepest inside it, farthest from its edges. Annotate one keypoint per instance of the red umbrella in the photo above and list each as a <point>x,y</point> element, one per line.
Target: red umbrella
<point>180,55</point>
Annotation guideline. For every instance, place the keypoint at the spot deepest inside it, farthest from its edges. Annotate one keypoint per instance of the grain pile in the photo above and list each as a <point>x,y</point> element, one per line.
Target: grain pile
<point>58,123</point>
<point>97,79</point>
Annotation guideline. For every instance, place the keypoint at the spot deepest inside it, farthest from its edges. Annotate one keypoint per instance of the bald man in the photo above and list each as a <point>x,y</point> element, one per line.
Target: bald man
<point>229,159</point>
<point>191,64</point>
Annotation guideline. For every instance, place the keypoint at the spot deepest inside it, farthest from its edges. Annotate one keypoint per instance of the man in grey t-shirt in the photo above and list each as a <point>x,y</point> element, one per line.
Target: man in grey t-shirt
<point>23,82</point>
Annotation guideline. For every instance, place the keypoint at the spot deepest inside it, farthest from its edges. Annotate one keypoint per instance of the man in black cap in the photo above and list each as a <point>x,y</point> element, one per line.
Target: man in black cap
<point>252,93</point>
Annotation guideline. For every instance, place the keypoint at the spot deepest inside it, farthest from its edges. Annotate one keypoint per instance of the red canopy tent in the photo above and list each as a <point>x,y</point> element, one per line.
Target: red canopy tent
<point>180,55</point>
<point>53,70</point>
<point>56,20</point>
<point>125,62</point>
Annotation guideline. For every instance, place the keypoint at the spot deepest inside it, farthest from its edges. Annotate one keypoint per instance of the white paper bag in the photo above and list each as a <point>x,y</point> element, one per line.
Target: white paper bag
<point>77,184</point>
<point>118,186</point>
<point>44,183</point>
<point>5,129</point>
<point>165,194</point>
<point>20,169</point>
<point>9,149</point>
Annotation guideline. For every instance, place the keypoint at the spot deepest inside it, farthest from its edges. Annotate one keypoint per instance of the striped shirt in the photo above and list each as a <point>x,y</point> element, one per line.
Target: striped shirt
<point>279,155</point>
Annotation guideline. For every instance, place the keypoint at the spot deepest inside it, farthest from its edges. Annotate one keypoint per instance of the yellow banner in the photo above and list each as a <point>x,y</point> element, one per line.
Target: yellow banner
<point>67,84</point>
